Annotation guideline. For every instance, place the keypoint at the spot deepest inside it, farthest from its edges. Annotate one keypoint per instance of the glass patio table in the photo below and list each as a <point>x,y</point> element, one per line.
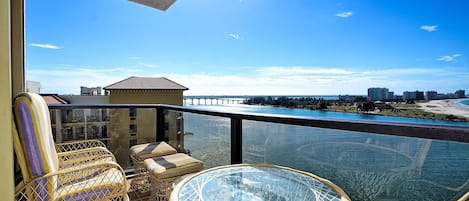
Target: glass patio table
<point>255,182</point>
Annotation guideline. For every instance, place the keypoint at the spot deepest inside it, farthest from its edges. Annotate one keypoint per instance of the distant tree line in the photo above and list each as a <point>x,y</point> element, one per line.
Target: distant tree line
<point>316,103</point>
<point>371,106</point>
<point>284,101</point>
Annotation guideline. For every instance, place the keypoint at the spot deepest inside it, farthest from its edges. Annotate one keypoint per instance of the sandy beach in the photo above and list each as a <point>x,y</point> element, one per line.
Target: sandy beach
<point>447,106</point>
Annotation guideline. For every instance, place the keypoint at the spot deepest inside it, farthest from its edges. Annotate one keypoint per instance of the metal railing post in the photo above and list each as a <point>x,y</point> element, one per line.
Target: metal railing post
<point>236,141</point>
<point>159,124</point>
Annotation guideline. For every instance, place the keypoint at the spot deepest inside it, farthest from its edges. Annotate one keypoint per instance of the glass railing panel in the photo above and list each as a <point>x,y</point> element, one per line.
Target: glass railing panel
<point>174,129</point>
<point>207,138</point>
<point>367,166</point>
<point>118,128</point>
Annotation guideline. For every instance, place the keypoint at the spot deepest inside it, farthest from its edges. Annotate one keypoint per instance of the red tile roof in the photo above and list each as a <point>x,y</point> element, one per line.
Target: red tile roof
<point>54,99</point>
<point>146,83</point>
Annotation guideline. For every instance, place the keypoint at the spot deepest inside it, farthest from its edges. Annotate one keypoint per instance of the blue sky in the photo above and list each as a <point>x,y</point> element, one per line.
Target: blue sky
<point>251,47</point>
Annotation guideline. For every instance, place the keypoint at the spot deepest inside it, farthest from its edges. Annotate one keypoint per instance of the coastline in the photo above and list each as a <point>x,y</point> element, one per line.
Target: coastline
<point>446,109</point>
<point>446,106</point>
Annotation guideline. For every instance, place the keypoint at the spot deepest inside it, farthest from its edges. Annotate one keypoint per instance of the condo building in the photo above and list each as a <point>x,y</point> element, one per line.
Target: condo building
<point>413,95</point>
<point>431,95</point>
<point>378,94</point>
<point>460,93</point>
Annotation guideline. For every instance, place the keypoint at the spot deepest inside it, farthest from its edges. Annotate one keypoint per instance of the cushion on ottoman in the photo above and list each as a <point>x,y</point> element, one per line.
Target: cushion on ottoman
<point>149,150</point>
<point>172,165</point>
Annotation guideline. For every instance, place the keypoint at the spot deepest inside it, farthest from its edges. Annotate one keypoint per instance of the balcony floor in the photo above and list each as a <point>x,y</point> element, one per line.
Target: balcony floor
<point>135,194</point>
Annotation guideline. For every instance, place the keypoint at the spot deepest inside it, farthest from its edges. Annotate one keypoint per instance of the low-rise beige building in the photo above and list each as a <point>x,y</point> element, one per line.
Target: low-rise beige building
<point>136,126</point>
<point>122,128</point>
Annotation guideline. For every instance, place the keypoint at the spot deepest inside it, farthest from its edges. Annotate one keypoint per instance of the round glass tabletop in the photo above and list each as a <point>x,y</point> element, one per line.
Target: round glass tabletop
<point>256,182</point>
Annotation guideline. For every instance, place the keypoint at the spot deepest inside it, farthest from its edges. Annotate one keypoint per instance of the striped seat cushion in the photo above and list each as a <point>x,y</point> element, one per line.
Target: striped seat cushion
<point>174,165</point>
<point>33,121</point>
<point>150,150</point>
<point>98,187</point>
<point>34,129</point>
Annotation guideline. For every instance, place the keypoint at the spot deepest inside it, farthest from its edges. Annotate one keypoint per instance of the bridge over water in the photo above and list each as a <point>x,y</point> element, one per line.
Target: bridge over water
<point>220,100</point>
<point>214,100</point>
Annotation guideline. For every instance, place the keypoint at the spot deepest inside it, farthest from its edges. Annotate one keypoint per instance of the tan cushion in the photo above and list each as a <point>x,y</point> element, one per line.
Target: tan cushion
<point>150,150</point>
<point>102,185</point>
<point>172,165</point>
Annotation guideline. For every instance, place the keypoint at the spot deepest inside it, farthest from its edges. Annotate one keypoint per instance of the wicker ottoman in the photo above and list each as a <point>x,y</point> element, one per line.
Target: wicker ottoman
<point>139,153</point>
<point>164,170</point>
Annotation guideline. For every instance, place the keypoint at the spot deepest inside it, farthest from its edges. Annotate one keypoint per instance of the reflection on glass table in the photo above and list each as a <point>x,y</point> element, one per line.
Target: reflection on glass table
<point>255,182</point>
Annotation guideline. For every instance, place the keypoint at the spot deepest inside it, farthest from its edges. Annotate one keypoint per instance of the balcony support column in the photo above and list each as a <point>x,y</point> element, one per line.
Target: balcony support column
<point>160,125</point>
<point>236,141</point>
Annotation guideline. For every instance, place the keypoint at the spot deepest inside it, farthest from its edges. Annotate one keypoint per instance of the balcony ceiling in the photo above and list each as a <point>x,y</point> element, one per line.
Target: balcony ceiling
<point>158,4</point>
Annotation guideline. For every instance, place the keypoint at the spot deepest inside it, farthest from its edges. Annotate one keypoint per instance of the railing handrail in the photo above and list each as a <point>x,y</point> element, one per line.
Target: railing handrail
<point>427,131</point>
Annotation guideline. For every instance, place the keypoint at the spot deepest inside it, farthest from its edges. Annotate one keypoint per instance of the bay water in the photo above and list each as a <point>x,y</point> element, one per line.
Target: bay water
<point>464,102</point>
<point>367,166</point>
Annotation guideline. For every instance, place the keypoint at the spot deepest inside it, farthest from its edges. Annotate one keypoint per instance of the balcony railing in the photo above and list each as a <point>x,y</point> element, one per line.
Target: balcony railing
<point>369,160</point>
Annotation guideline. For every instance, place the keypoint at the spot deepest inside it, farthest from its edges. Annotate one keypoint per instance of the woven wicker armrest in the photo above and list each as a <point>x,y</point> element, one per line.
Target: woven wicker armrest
<point>84,156</point>
<point>77,145</point>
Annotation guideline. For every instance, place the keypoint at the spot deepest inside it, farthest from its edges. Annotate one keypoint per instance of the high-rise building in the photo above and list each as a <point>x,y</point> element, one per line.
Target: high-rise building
<point>390,95</point>
<point>399,97</point>
<point>378,94</point>
<point>33,86</point>
<point>431,95</point>
<point>90,91</point>
<point>413,95</point>
<point>460,93</point>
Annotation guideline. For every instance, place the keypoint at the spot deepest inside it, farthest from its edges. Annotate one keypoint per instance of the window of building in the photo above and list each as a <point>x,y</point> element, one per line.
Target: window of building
<point>133,129</point>
<point>104,132</point>
<point>132,113</point>
<point>132,142</point>
<point>80,133</point>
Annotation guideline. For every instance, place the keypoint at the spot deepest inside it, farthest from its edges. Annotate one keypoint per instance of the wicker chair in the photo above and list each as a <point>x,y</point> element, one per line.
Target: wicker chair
<point>464,197</point>
<point>67,174</point>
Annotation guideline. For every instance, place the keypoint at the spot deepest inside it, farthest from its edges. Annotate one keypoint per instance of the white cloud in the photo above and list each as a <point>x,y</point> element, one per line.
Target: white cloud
<point>403,71</point>
<point>65,80</point>
<point>344,14</point>
<point>319,81</point>
<point>47,46</point>
<point>449,57</point>
<point>234,36</point>
<point>262,80</point>
<point>302,70</point>
<point>148,65</point>
<point>429,28</point>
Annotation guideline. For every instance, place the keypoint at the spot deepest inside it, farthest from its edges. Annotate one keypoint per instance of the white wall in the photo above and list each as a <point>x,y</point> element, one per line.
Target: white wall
<point>6,145</point>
